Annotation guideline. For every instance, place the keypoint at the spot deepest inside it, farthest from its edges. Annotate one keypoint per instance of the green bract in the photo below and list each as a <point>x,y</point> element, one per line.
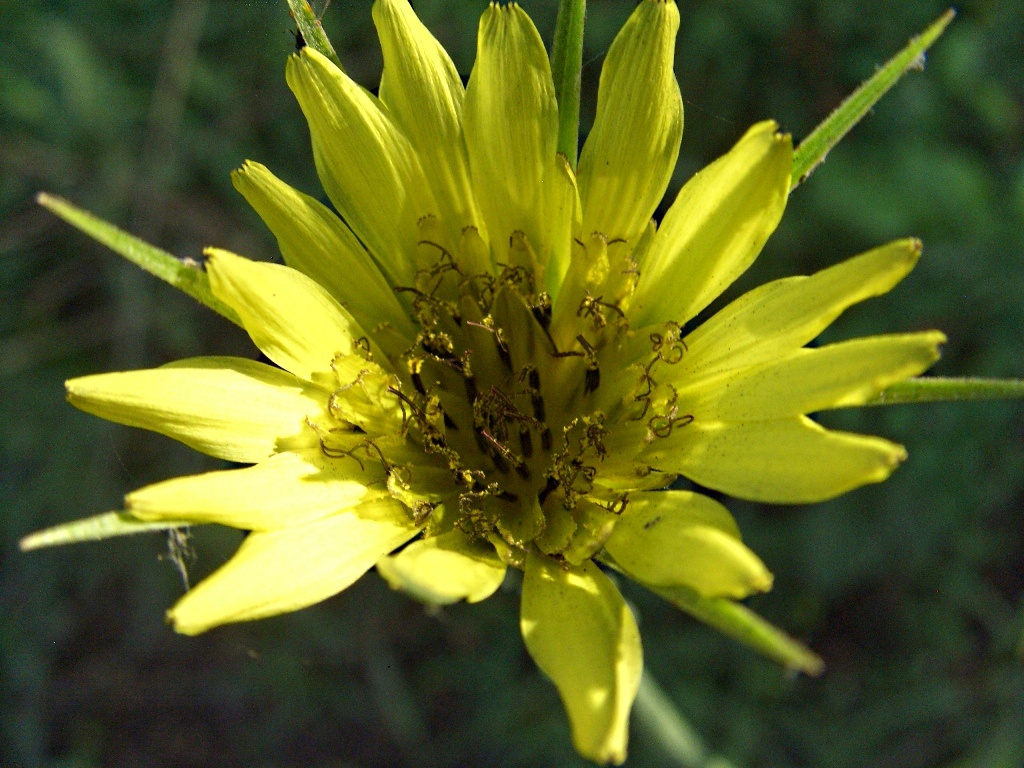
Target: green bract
<point>482,362</point>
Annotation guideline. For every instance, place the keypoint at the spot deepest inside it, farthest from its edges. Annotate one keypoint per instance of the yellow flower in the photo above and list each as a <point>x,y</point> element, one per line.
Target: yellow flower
<point>485,361</point>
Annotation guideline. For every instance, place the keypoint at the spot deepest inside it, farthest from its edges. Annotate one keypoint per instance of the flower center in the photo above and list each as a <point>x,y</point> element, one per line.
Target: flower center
<point>508,429</point>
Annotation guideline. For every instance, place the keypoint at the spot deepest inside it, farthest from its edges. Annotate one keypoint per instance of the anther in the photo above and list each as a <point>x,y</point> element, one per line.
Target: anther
<point>593,380</point>
<point>471,390</point>
<point>503,352</point>
<point>538,407</point>
<point>417,381</point>
<point>499,462</point>
<point>546,439</point>
<point>547,490</point>
<point>507,496</point>
<point>542,314</point>
<point>448,421</point>
<point>526,443</point>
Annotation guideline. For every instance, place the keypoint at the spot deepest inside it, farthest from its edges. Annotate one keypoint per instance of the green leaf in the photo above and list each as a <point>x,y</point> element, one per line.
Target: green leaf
<point>312,31</point>
<point>812,150</point>
<point>566,64</point>
<point>935,389</point>
<point>102,526</point>
<point>742,624</point>
<point>183,275</point>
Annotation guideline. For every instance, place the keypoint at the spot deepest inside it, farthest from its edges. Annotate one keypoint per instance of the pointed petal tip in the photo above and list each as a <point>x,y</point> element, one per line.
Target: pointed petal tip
<point>32,541</point>
<point>183,626</point>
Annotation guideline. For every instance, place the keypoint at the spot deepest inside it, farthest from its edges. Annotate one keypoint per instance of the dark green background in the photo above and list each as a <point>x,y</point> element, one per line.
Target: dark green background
<point>912,591</point>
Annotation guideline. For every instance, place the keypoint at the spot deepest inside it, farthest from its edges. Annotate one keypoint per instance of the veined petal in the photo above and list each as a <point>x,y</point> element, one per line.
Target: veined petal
<point>836,376</point>
<point>787,461</point>
<point>779,317</point>
<point>564,222</point>
<point>511,124</point>
<point>318,244</point>
<point>632,149</point>
<point>445,569</point>
<point>291,488</point>
<point>293,320</point>
<point>679,538</point>
<point>283,570</point>
<point>715,228</point>
<point>423,93</point>
<point>583,636</point>
<point>367,166</point>
<point>227,407</point>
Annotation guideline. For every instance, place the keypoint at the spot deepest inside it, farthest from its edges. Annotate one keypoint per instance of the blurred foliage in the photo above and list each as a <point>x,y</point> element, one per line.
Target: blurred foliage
<point>913,591</point>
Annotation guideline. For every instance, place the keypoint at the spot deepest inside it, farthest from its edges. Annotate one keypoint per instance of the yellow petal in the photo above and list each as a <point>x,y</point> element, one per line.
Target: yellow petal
<point>367,166</point>
<point>836,376</point>
<point>631,151</point>
<point>715,228</point>
<point>291,488</point>
<point>679,538</point>
<point>789,461</point>
<point>445,569</point>
<point>318,244</point>
<point>423,93</point>
<point>227,407</point>
<point>778,317</point>
<point>565,212</point>
<point>293,320</point>
<point>582,635</point>
<point>284,570</point>
<point>511,124</point>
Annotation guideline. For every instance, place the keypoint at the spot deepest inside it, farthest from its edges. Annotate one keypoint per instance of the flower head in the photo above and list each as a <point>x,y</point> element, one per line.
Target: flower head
<point>487,361</point>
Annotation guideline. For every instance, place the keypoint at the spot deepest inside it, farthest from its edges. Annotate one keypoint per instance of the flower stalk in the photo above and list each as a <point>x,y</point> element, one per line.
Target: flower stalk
<point>566,67</point>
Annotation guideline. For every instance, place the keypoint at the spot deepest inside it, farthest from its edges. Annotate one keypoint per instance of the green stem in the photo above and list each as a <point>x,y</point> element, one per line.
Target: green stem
<point>935,389</point>
<point>657,716</point>
<point>812,150</point>
<point>312,31</point>
<point>566,65</point>
<point>184,275</point>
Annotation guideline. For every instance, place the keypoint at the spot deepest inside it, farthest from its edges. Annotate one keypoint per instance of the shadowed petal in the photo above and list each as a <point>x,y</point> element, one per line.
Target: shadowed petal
<point>679,538</point>
<point>445,569</point>
<point>583,636</point>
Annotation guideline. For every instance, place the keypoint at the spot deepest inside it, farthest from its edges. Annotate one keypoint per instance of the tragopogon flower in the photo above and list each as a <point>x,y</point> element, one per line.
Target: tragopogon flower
<point>482,362</point>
